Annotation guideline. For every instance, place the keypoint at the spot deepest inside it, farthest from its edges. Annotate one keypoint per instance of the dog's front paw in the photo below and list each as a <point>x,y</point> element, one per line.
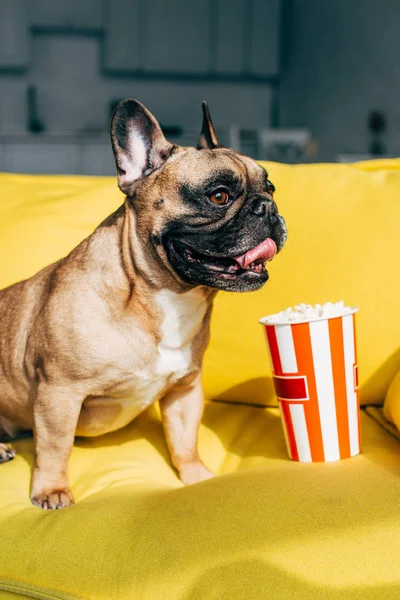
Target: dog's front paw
<point>52,499</point>
<point>194,472</point>
<point>6,453</point>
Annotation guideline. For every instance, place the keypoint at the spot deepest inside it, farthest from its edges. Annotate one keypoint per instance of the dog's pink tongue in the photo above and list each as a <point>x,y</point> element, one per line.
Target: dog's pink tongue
<point>261,253</point>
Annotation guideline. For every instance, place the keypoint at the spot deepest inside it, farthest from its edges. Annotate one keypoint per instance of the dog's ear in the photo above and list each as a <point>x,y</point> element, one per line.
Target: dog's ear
<point>138,142</point>
<point>208,138</point>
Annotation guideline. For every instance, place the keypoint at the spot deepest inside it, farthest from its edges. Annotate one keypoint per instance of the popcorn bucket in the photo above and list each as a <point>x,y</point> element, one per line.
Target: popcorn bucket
<point>315,376</point>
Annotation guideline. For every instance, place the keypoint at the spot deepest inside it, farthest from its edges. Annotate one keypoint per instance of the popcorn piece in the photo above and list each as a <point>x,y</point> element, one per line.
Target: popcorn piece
<point>307,312</point>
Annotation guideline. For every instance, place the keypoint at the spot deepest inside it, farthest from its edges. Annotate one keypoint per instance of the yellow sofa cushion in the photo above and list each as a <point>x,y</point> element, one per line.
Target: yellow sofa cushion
<point>391,407</point>
<point>343,244</point>
<point>266,528</point>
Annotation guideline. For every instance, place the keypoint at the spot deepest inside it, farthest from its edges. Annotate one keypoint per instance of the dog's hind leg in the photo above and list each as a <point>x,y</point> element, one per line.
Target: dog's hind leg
<point>6,431</point>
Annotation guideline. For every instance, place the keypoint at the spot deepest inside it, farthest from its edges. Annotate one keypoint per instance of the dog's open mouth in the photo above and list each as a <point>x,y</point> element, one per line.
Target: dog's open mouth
<point>252,261</point>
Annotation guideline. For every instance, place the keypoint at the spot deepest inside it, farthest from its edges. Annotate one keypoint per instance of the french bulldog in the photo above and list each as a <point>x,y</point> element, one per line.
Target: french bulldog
<point>123,321</point>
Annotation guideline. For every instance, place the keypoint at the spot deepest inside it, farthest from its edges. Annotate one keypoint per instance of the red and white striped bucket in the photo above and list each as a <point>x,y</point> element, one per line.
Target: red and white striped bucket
<point>315,375</point>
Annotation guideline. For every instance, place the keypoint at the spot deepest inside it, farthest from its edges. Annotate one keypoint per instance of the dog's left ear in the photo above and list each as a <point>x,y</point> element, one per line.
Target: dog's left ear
<point>138,142</point>
<point>208,138</point>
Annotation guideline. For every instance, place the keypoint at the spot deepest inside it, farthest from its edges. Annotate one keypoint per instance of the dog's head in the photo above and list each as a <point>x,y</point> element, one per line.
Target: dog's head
<point>206,215</point>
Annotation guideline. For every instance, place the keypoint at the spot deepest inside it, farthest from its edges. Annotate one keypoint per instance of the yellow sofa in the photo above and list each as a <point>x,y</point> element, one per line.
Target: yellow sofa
<point>265,527</point>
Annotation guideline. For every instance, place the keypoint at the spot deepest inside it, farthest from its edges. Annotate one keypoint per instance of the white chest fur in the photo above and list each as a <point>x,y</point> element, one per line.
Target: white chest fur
<point>183,315</point>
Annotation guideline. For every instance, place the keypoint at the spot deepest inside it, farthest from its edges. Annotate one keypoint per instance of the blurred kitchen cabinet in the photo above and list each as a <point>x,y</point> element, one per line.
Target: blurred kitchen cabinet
<point>265,37</point>
<point>123,35</point>
<point>247,37</point>
<point>41,157</point>
<point>177,36</point>
<point>230,37</point>
<point>14,34</point>
<point>228,45</point>
<point>97,159</point>
<point>73,14</point>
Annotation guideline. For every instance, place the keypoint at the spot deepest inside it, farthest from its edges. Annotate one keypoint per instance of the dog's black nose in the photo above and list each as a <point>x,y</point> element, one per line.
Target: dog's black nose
<point>260,206</point>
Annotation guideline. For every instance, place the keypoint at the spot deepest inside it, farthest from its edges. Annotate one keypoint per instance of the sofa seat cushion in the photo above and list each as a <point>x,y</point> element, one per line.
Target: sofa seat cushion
<point>265,527</point>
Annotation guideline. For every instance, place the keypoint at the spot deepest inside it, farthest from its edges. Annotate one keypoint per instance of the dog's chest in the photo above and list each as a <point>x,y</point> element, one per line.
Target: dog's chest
<point>181,317</point>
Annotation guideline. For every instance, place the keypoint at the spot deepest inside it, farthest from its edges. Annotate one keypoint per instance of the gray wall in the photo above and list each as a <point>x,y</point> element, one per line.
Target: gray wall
<point>341,59</point>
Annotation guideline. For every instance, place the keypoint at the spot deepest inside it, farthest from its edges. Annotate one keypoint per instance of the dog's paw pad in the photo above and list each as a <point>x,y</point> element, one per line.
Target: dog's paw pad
<point>53,499</point>
<point>6,453</point>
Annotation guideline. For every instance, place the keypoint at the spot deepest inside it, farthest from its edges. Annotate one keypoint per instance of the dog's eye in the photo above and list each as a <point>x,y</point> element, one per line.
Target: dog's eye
<point>219,197</point>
